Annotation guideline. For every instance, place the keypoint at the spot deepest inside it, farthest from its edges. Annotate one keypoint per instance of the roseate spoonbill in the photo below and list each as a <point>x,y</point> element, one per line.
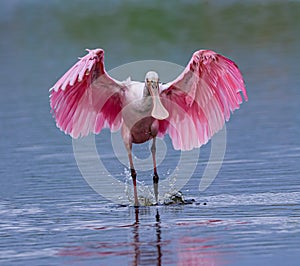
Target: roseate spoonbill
<point>191,109</point>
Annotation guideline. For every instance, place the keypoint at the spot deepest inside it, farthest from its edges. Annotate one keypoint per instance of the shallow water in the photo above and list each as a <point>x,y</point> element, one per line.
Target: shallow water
<point>249,215</point>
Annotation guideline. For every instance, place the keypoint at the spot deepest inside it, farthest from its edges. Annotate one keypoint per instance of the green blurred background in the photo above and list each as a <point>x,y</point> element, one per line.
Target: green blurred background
<point>40,39</point>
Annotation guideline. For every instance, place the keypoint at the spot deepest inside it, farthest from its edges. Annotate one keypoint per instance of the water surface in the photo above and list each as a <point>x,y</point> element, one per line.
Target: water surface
<point>249,215</point>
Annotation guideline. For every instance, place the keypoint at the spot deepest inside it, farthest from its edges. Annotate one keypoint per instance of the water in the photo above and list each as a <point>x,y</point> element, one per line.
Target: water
<point>251,212</point>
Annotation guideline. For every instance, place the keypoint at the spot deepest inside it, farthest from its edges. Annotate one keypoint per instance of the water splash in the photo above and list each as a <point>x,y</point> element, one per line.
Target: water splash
<point>146,193</point>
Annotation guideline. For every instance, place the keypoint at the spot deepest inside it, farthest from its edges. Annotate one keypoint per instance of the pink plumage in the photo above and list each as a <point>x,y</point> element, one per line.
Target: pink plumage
<point>191,109</point>
<point>201,99</point>
<point>78,105</point>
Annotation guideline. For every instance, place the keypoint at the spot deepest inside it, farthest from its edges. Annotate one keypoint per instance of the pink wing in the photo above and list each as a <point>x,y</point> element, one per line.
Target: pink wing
<point>201,99</point>
<point>86,98</point>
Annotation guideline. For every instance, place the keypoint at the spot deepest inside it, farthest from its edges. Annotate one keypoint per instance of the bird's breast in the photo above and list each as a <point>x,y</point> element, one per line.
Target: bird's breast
<point>137,118</point>
<point>136,110</point>
<point>143,130</point>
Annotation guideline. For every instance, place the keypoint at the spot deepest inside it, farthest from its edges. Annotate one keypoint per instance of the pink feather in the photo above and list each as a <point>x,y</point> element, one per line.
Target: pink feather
<point>86,99</point>
<point>201,99</point>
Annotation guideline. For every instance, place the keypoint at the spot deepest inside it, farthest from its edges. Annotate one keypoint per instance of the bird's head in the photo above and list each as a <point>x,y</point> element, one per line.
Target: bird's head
<point>152,84</point>
<point>152,81</point>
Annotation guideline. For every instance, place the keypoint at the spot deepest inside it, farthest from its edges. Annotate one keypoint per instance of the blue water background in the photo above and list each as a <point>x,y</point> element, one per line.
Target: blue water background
<point>251,212</point>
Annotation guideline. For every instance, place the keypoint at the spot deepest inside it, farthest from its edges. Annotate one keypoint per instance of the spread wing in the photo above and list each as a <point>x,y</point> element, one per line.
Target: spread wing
<point>201,99</point>
<point>86,99</point>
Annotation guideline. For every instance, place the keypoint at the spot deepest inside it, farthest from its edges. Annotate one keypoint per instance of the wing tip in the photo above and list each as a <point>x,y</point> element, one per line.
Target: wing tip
<point>92,54</point>
<point>95,52</point>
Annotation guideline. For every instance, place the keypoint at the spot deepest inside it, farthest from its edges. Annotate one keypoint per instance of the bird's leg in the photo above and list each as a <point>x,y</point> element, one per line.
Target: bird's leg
<point>155,175</point>
<point>133,175</point>
<point>127,138</point>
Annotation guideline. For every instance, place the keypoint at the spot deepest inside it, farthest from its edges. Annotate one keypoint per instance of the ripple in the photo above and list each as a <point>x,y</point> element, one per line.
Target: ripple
<point>268,198</point>
<point>39,253</point>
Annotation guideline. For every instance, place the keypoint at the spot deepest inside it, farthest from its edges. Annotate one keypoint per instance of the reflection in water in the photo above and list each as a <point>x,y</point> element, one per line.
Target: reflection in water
<point>158,237</point>
<point>144,245</point>
<point>146,249</point>
<point>136,240</point>
<point>195,251</point>
<point>152,257</point>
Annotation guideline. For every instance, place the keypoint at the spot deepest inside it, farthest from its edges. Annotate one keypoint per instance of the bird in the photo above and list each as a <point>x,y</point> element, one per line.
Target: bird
<point>191,108</point>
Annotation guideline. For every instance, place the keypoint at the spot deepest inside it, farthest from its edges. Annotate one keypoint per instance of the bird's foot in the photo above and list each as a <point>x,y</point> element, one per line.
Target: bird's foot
<point>133,175</point>
<point>136,203</point>
<point>155,186</point>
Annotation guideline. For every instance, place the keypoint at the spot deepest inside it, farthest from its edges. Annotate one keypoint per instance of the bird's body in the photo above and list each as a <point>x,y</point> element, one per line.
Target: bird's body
<point>138,116</point>
<point>190,109</point>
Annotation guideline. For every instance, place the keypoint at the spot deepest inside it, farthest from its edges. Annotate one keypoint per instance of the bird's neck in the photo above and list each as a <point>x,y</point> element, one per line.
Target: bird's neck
<point>147,100</point>
<point>146,92</point>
